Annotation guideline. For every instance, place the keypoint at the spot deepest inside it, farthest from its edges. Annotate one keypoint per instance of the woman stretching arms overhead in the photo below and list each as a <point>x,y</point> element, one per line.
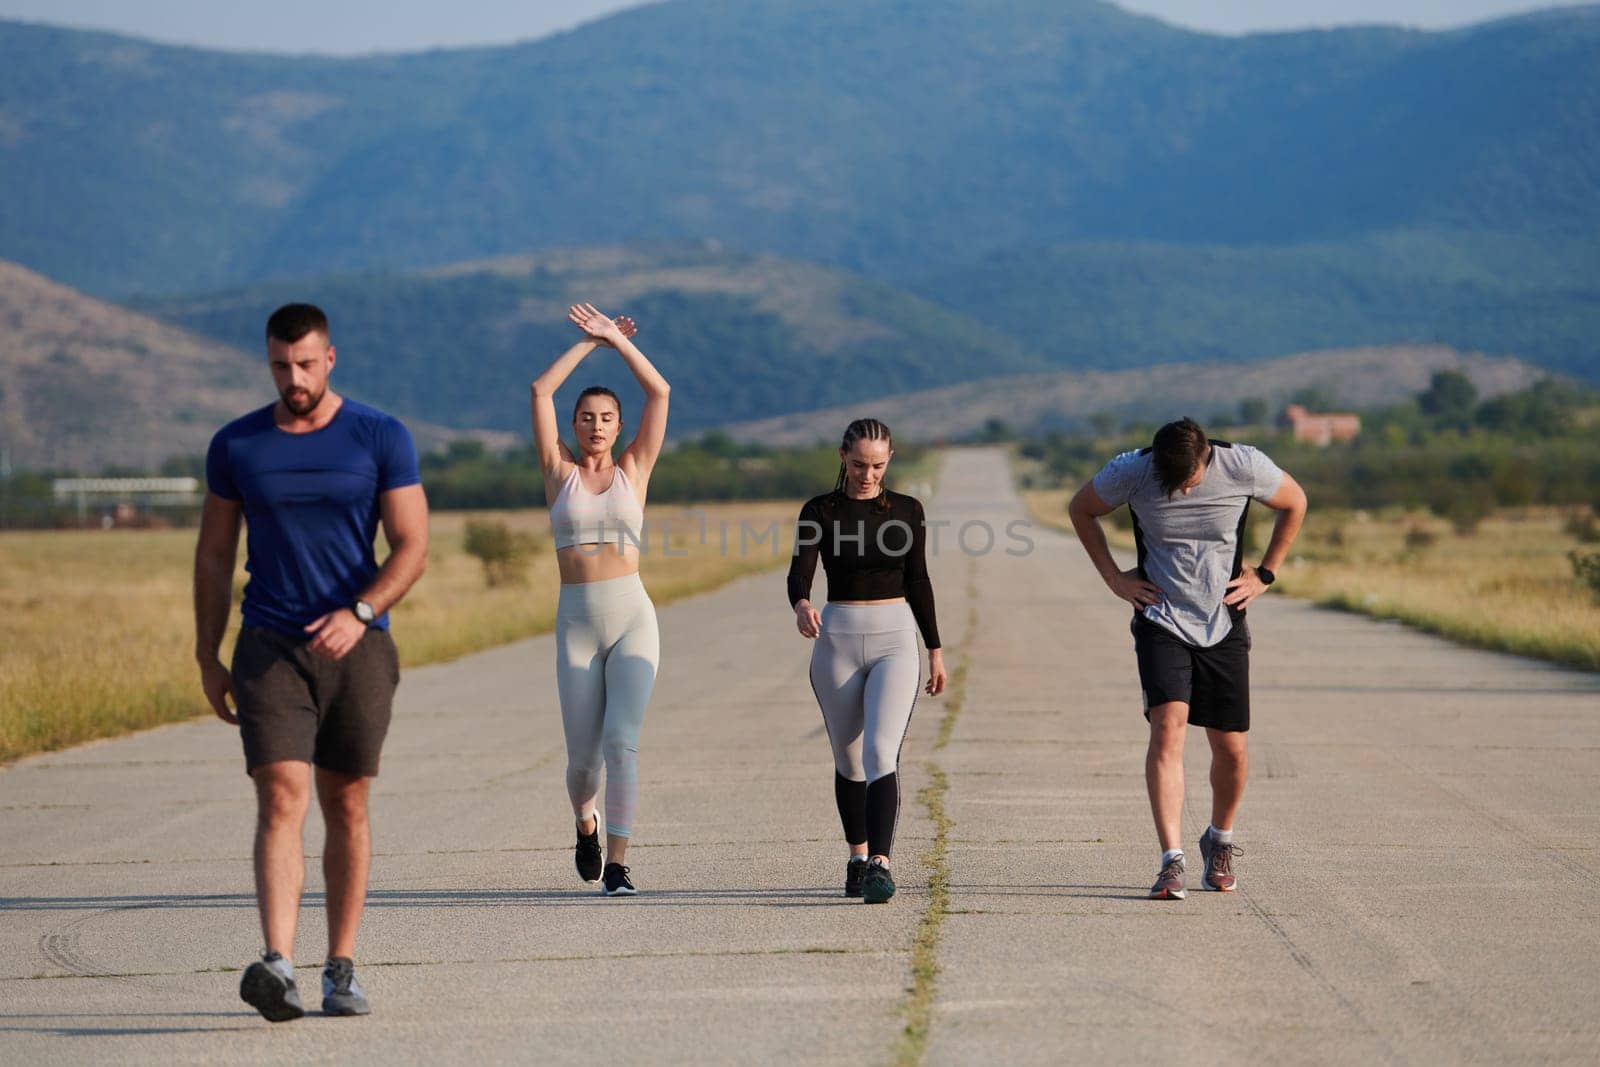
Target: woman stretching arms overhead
<point>607,645</point>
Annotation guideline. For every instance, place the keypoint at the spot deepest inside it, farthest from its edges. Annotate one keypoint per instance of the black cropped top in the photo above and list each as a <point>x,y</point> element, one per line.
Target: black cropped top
<point>869,552</point>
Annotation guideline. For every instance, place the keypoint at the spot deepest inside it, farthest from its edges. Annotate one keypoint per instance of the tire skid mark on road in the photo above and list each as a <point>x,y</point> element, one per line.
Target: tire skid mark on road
<point>820,950</point>
<point>1293,949</point>
<point>549,756</point>
<point>1307,964</point>
<point>1528,840</point>
<point>63,945</point>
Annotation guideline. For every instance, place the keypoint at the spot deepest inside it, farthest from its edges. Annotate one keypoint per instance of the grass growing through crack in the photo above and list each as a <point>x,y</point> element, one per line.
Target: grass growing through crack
<point>918,1009</point>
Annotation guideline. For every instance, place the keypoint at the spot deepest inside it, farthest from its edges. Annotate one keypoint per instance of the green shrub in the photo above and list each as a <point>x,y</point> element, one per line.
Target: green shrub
<point>1586,568</point>
<point>504,553</point>
<point>1419,539</point>
<point>1582,527</point>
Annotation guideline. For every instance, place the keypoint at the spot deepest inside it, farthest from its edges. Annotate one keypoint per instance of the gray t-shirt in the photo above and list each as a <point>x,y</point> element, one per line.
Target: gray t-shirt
<point>1189,545</point>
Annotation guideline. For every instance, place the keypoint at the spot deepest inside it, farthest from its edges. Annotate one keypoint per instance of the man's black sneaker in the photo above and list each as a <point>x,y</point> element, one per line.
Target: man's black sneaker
<point>854,873</point>
<point>588,853</point>
<point>341,993</point>
<point>876,885</point>
<point>615,883</point>
<point>268,987</point>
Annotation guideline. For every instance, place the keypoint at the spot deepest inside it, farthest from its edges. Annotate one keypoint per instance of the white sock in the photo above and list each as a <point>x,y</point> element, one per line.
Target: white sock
<point>1221,837</point>
<point>1171,854</point>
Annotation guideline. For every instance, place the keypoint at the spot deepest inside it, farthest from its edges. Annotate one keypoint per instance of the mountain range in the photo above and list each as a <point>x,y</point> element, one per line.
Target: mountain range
<point>808,202</point>
<point>894,138</point>
<point>86,385</point>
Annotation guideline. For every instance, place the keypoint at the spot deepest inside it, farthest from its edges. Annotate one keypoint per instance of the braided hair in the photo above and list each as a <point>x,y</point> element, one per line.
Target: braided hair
<point>864,430</point>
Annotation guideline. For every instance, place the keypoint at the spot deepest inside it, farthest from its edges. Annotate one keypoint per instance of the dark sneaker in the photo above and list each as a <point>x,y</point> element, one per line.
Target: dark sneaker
<point>855,872</point>
<point>1218,859</point>
<point>615,881</point>
<point>268,987</point>
<point>876,884</point>
<point>1169,884</point>
<point>588,854</point>
<point>341,993</point>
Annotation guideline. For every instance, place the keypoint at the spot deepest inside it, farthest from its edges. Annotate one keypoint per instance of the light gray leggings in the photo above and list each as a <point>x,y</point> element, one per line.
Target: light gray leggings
<point>865,672</point>
<point>607,651</point>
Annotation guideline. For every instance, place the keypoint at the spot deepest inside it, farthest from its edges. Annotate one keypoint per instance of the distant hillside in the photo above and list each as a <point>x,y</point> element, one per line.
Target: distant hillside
<point>738,335</point>
<point>1357,378</point>
<point>889,137</point>
<point>86,385</point>
<point>1110,306</point>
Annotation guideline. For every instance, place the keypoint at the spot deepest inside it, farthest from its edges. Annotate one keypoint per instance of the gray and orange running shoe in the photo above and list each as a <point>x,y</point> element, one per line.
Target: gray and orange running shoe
<point>1169,884</point>
<point>1218,859</point>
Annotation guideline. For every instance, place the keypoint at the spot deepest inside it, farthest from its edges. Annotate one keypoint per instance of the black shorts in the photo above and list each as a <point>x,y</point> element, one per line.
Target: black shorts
<point>296,705</point>
<point>1214,682</point>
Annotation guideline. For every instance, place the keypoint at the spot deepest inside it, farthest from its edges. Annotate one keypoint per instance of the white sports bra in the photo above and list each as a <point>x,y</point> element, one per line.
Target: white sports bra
<point>579,517</point>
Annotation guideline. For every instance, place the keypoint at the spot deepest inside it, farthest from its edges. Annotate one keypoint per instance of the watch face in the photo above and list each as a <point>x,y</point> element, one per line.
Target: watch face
<point>364,611</point>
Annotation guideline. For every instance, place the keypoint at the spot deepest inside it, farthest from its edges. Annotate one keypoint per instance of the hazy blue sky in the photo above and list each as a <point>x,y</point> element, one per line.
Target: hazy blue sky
<point>355,26</point>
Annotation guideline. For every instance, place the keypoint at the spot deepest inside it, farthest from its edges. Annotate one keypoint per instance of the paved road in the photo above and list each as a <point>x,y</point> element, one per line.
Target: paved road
<point>1418,883</point>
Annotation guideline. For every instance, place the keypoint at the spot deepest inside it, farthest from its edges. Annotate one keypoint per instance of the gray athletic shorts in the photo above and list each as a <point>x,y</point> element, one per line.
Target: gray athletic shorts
<point>296,705</point>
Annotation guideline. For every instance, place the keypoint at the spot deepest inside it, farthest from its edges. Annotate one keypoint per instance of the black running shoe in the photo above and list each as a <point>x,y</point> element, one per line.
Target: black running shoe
<point>268,987</point>
<point>588,853</point>
<point>341,993</point>
<point>615,881</point>
<point>854,873</point>
<point>876,885</point>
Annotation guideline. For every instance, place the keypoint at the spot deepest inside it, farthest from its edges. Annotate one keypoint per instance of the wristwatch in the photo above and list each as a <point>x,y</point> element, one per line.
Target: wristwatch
<point>1266,576</point>
<point>364,612</point>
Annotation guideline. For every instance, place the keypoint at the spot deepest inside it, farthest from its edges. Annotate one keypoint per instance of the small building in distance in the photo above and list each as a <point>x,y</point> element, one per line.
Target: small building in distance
<point>128,502</point>
<point>1321,428</point>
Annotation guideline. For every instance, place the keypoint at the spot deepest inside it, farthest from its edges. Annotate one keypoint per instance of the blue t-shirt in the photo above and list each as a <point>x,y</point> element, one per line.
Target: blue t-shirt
<point>310,508</point>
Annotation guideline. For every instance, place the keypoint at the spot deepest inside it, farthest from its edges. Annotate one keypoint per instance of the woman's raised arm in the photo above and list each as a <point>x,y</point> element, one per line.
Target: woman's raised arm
<point>652,432</point>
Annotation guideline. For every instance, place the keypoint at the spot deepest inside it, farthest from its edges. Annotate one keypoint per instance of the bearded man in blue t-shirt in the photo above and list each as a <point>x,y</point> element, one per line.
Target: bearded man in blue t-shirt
<point>1190,496</point>
<point>314,670</point>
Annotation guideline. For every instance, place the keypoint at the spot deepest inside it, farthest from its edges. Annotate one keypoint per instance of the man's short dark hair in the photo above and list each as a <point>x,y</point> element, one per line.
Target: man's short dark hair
<point>1178,451</point>
<point>293,321</point>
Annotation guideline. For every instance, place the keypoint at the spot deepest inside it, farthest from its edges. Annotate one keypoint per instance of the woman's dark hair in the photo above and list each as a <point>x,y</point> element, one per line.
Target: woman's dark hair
<point>595,390</point>
<point>1178,450</point>
<point>864,430</point>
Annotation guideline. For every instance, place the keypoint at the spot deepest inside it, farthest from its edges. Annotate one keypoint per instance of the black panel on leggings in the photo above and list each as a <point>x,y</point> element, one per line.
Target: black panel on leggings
<point>883,808</point>
<point>870,549</point>
<point>852,800</point>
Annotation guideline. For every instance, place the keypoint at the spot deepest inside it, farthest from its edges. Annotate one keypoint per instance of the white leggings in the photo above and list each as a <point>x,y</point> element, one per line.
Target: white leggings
<point>865,672</point>
<point>607,651</point>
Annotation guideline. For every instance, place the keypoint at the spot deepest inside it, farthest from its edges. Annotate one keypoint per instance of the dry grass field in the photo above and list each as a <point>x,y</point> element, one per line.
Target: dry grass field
<point>97,630</point>
<point>1508,585</point>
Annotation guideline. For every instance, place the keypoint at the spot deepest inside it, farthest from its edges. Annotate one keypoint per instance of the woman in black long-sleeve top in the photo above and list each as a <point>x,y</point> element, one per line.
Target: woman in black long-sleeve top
<point>864,667</point>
